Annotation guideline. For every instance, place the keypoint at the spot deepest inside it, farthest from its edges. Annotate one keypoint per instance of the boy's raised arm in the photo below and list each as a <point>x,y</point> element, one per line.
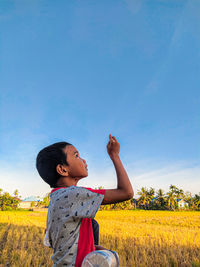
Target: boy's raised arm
<point>124,189</point>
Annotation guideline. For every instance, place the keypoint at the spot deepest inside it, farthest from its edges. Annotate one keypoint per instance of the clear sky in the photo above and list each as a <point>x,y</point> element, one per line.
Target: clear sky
<point>79,70</point>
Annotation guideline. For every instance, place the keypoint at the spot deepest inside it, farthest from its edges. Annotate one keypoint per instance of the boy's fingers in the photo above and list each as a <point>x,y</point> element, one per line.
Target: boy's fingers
<point>114,138</point>
<point>111,137</point>
<point>109,144</point>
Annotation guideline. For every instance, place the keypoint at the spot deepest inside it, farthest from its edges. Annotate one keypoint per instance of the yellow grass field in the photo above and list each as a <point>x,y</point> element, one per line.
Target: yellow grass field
<point>141,238</point>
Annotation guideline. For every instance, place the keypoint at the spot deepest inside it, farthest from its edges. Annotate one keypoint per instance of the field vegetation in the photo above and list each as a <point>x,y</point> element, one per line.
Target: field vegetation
<point>148,199</point>
<point>141,238</point>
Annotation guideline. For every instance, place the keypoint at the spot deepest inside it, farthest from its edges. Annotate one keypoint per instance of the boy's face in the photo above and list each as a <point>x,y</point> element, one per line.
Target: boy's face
<point>77,166</point>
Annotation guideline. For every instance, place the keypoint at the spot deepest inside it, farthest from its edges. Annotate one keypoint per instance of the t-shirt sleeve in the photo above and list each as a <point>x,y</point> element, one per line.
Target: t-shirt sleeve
<point>87,202</point>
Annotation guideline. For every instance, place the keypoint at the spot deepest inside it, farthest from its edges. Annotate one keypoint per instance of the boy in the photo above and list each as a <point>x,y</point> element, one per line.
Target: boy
<point>69,226</point>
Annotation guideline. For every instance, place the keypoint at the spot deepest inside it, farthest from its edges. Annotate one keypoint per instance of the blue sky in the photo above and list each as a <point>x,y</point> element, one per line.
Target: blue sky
<point>79,70</point>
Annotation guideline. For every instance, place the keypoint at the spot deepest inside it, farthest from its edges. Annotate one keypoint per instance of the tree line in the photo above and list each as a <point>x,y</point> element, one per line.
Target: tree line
<point>8,202</point>
<point>149,199</point>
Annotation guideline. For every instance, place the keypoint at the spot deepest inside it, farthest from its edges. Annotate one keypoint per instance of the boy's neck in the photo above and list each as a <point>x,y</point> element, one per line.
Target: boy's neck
<point>67,181</point>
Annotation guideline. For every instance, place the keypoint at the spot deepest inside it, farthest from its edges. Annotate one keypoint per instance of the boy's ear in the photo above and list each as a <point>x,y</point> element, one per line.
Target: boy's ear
<point>62,170</point>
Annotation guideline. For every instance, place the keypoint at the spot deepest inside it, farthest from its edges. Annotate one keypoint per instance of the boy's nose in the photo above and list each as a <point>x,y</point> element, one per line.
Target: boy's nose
<point>84,161</point>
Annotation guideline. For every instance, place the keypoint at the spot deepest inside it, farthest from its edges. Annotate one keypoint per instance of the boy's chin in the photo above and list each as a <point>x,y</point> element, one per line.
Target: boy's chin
<point>83,176</point>
<point>86,175</point>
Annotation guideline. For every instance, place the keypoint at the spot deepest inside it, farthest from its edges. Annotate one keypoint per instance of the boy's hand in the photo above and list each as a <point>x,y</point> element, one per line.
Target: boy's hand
<point>113,147</point>
<point>97,247</point>
<point>124,189</point>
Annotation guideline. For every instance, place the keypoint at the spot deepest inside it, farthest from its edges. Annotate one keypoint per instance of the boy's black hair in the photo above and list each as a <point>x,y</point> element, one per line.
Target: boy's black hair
<point>47,160</point>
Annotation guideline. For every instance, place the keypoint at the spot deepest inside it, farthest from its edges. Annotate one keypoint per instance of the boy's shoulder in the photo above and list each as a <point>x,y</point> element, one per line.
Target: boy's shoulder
<point>71,190</point>
<point>74,202</point>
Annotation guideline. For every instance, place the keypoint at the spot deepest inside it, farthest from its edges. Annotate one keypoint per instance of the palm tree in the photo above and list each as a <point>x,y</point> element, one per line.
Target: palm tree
<point>145,196</point>
<point>160,199</point>
<point>173,188</point>
<point>171,200</point>
<point>151,193</point>
<point>188,198</point>
<point>160,193</point>
<point>197,201</point>
<point>173,195</point>
<point>180,193</point>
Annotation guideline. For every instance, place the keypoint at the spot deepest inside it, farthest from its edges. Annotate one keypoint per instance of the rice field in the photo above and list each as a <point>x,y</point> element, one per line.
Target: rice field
<point>141,238</point>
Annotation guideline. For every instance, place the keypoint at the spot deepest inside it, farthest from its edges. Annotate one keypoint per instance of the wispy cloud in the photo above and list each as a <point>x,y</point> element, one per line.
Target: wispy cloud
<point>186,178</point>
<point>182,175</point>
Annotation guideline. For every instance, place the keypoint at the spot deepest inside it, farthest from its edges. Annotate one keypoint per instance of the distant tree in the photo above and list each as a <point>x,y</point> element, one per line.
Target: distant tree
<point>151,193</point>
<point>173,189</point>
<point>189,200</point>
<point>171,200</point>
<point>142,200</point>
<point>7,201</point>
<point>160,193</point>
<point>133,203</point>
<point>179,194</point>
<point>16,193</point>
<point>46,200</point>
<point>196,200</point>
<point>160,200</point>
<point>146,197</point>
<point>39,204</point>
<point>171,197</point>
<point>124,205</point>
<point>32,204</point>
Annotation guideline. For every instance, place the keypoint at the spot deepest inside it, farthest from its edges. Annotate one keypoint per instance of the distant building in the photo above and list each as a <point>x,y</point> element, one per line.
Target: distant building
<point>26,203</point>
<point>182,203</point>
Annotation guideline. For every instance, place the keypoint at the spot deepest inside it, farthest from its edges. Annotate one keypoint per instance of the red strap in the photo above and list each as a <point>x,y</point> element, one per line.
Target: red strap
<point>99,191</point>
<point>85,242</point>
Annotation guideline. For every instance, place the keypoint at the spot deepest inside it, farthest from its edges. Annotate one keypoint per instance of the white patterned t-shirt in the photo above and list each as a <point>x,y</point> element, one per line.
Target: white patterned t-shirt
<point>69,228</point>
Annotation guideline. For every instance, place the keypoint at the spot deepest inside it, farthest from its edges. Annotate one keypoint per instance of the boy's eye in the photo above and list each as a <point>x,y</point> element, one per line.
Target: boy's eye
<point>77,155</point>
